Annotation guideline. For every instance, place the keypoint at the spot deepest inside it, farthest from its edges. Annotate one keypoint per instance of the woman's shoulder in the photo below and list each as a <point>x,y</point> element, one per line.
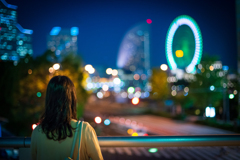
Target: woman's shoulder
<point>85,124</point>
<point>37,131</point>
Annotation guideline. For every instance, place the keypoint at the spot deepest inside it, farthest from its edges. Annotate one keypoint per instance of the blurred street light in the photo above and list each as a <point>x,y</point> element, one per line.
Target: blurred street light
<point>109,71</point>
<point>107,122</point>
<point>131,90</point>
<point>212,87</point>
<point>91,70</point>
<point>116,81</point>
<point>114,72</point>
<point>164,67</point>
<point>235,92</point>
<point>98,120</point>
<point>105,87</point>
<point>29,71</point>
<point>51,70</point>
<point>56,66</point>
<point>135,100</point>
<point>34,126</point>
<point>100,95</point>
<point>231,96</point>
<point>88,67</point>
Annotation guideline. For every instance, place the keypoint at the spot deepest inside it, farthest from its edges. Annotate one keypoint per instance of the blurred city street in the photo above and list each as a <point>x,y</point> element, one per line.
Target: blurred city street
<point>153,125</point>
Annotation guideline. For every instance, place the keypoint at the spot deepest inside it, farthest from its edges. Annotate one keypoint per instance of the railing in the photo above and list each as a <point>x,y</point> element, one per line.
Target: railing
<point>144,141</point>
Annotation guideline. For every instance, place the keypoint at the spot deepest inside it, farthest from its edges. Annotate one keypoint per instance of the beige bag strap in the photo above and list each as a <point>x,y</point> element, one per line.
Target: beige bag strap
<point>80,137</point>
<point>75,138</point>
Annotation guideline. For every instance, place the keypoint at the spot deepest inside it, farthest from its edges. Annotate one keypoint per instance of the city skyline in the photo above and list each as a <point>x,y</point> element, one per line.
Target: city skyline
<point>102,26</point>
<point>15,41</point>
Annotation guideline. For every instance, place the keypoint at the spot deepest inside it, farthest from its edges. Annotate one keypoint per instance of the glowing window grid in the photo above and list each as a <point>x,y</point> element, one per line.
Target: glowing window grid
<point>190,22</point>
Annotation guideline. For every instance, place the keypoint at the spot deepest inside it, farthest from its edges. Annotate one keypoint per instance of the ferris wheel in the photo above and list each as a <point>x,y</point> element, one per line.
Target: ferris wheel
<point>184,44</point>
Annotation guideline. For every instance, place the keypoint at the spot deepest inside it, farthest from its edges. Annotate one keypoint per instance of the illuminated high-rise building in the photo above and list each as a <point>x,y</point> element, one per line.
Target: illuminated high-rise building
<point>133,57</point>
<point>63,41</point>
<point>15,42</point>
<point>24,41</point>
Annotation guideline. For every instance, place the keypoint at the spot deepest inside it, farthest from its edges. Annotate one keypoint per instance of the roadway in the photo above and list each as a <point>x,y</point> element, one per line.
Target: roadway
<point>121,121</point>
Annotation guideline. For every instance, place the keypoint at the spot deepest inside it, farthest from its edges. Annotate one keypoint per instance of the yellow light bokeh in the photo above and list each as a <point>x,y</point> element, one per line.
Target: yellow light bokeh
<point>135,134</point>
<point>130,131</point>
<point>197,112</point>
<point>211,68</point>
<point>29,71</point>
<point>179,53</point>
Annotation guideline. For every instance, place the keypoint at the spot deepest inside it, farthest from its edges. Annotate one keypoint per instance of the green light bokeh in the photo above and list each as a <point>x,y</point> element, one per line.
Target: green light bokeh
<point>39,94</point>
<point>153,150</point>
<point>183,40</point>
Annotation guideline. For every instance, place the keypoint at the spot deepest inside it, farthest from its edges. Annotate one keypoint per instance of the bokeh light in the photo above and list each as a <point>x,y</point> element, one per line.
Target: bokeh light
<point>135,100</point>
<point>116,81</point>
<point>88,67</point>
<point>186,89</point>
<point>34,126</point>
<point>164,67</point>
<point>39,94</point>
<point>212,88</point>
<point>149,21</point>
<point>109,71</point>
<point>105,87</point>
<point>130,131</point>
<point>100,95</point>
<point>179,53</point>
<point>98,120</point>
<point>135,134</point>
<point>136,76</point>
<point>153,150</point>
<point>107,122</point>
<point>174,93</point>
<point>91,70</point>
<point>231,96</point>
<point>211,68</point>
<point>197,111</point>
<point>51,70</point>
<point>56,66</point>
<point>124,95</point>
<point>114,72</point>
<point>131,90</point>
<point>235,92</point>
<point>29,71</point>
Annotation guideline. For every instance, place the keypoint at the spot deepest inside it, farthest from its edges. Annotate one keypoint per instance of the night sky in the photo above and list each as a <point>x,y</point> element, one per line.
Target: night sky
<point>103,24</point>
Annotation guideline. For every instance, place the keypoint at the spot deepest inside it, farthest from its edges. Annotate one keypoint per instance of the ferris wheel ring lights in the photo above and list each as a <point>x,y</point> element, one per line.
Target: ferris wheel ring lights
<point>177,22</point>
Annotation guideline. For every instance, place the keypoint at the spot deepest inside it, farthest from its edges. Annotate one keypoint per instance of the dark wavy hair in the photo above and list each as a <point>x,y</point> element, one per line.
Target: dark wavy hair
<point>60,108</point>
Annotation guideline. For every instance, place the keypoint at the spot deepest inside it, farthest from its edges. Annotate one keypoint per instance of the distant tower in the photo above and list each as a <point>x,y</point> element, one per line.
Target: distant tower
<point>133,56</point>
<point>63,41</point>
<point>24,41</point>
<point>15,42</point>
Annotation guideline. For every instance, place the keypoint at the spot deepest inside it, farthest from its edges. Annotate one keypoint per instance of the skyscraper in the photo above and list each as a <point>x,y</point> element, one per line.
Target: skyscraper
<point>63,41</point>
<point>15,42</point>
<point>133,57</point>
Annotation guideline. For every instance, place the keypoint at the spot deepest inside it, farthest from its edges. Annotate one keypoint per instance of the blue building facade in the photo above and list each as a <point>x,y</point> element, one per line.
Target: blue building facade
<point>63,41</point>
<point>15,41</point>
